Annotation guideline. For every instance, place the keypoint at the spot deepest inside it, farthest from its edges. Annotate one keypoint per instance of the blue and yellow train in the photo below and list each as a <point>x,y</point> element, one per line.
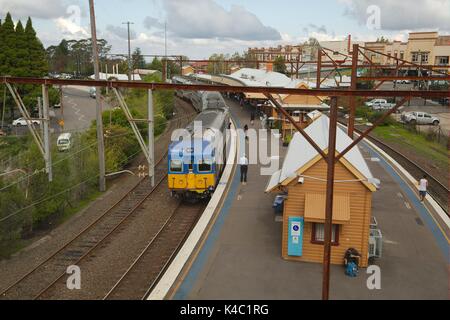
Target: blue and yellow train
<point>196,161</point>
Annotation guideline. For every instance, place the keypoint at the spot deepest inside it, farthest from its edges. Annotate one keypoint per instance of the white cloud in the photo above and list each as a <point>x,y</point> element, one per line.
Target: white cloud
<point>120,32</point>
<point>71,28</point>
<point>403,15</point>
<point>45,9</point>
<point>206,19</point>
<point>41,9</point>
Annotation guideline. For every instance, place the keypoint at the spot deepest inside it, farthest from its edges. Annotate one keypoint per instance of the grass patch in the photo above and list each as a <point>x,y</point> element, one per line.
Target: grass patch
<point>414,142</point>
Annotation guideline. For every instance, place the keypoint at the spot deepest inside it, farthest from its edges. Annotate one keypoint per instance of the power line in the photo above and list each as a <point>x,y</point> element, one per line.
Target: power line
<point>59,193</point>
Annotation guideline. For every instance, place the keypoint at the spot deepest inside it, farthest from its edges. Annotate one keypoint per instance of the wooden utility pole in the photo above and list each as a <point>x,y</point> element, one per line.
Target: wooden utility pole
<point>329,199</point>
<point>353,86</point>
<point>100,143</point>
<point>46,130</point>
<point>129,49</point>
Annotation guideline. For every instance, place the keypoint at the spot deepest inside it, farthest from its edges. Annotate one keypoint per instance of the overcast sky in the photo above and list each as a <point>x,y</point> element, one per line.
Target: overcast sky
<point>198,28</point>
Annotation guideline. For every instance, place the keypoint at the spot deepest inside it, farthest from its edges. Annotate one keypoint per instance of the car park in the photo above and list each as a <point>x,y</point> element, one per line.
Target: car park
<point>420,118</point>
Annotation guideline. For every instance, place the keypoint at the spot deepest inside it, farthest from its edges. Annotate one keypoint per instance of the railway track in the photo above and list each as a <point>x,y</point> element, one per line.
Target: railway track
<point>39,280</point>
<point>145,272</point>
<point>439,192</point>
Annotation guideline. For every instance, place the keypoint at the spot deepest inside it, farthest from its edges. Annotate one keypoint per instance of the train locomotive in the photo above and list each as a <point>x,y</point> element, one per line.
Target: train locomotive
<point>196,161</point>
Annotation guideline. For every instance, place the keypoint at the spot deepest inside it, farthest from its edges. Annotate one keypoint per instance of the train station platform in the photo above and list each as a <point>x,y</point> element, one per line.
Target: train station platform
<point>241,256</point>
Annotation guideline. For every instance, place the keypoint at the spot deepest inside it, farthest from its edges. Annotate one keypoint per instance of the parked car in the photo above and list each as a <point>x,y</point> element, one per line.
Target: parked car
<point>402,81</point>
<point>57,105</point>
<point>23,122</point>
<point>419,118</point>
<point>64,142</point>
<point>379,104</point>
<point>93,92</point>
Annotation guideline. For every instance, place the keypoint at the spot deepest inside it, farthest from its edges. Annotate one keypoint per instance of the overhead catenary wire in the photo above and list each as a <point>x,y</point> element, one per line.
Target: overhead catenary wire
<point>38,171</point>
<point>57,194</point>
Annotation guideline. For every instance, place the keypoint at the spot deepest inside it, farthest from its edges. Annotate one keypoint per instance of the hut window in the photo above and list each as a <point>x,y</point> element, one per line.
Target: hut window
<point>318,233</point>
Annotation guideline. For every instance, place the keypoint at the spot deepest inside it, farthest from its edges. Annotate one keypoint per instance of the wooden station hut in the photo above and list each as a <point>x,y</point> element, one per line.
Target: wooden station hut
<point>303,176</point>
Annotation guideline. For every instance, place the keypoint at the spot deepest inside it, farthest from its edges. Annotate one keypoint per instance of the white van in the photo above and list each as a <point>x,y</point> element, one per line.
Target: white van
<point>64,142</point>
<point>93,92</point>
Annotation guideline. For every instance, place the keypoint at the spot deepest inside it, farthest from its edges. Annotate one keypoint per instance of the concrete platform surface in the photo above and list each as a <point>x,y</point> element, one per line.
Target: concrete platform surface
<point>241,259</point>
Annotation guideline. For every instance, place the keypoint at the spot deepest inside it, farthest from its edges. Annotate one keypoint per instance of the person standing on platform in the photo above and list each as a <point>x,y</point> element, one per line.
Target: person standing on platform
<point>252,117</point>
<point>245,132</point>
<point>243,162</point>
<point>423,186</point>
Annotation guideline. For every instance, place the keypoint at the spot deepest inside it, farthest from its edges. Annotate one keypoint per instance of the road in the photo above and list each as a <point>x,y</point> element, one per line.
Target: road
<point>78,109</point>
<point>78,112</point>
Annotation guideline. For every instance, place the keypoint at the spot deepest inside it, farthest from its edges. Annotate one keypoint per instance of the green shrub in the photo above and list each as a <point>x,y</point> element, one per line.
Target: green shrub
<point>374,116</point>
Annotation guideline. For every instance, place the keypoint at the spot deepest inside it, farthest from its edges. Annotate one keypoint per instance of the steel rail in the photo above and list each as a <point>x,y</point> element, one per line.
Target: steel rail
<point>139,256</point>
<point>225,88</point>
<point>86,254</point>
<point>172,256</point>
<point>419,168</point>
<point>87,228</point>
<point>82,232</point>
<point>412,163</point>
<point>136,207</point>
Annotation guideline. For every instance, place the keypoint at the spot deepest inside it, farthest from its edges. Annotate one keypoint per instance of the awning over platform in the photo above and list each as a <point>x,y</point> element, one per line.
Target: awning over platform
<point>274,181</point>
<point>315,208</point>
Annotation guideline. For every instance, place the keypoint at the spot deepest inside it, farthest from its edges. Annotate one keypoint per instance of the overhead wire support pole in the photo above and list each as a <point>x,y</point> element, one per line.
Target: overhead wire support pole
<point>133,125</point>
<point>47,148</point>
<point>353,86</point>
<point>37,138</point>
<point>296,125</point>
<point>129,48</point>
<point>99,120</point>
<point>375,124</point>
<point>319,68</point>
<point>151,139</point>
<point>329,199</point>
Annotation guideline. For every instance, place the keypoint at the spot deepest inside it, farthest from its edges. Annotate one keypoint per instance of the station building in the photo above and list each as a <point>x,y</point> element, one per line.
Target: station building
<point>303,178</point>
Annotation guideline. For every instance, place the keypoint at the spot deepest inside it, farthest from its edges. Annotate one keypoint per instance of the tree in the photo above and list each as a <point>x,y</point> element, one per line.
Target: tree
<point>21,65</point>
<point>217,64</point>
<point>279,65</point>
<point>75,56</point>
<point>37,60</point>
<point>156,65</point>
<point>138,61</point>
<point>8,46</point>
<point>382,40</point>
